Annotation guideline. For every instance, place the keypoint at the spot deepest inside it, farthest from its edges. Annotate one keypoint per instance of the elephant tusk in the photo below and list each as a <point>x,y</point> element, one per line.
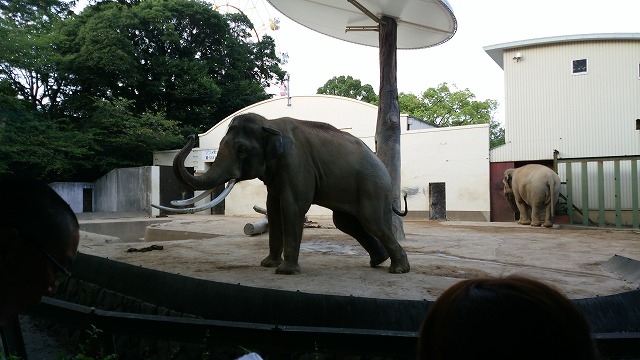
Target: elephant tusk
<point>206,206</point>
<point>192,200</point>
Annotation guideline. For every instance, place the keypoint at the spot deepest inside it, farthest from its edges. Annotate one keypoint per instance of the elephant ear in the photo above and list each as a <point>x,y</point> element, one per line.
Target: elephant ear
<point>273,143</point>
<point>508,176</point>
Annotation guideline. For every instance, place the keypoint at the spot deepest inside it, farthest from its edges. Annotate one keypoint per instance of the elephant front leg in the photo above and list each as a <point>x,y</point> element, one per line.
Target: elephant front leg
<point>292,211</point>
<point>275,233</point>
<point>292,237</point>
<point>525,211</point>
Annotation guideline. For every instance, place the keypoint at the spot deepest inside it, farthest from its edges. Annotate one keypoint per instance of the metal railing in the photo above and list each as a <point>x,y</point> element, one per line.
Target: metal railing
<point>272,338</point>
<point>598,186</point>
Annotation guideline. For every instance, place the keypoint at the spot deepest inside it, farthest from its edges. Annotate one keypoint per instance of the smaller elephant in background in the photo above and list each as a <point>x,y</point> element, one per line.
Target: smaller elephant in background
<point>530,190</point>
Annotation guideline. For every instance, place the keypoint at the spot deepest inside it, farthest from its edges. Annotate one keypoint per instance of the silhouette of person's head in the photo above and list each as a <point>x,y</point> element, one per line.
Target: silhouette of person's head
<point>39,236</point>
<point>504,318</point>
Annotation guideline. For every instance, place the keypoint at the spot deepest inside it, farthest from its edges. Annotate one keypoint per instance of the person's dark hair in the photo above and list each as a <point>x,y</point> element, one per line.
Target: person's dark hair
<point>504,318</point>
<point>34,209</point>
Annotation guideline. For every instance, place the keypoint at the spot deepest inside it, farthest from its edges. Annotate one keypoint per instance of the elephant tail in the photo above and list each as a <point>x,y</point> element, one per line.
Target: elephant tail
<point>406,210</point>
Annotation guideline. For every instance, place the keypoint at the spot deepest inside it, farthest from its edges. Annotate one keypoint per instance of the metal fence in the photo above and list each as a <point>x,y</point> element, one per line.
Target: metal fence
<point>601,192</point>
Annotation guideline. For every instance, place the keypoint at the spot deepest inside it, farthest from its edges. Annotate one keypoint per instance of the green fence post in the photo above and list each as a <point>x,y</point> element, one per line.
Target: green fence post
<point>585,193</point>
<point>616,171</point>
<point>634,192</point>
<point>569,192</point>
<point>601,219</point>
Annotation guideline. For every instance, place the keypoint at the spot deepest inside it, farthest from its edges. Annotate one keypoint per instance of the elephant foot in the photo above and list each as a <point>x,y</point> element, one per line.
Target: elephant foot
<point>271,262</point>
<point>536,223</point>
<point>524,222</point>
<point>548,224</point>
<point>401,265</point>
<point>287,268</point>
<point>399,268</point>
<point>377,260</point>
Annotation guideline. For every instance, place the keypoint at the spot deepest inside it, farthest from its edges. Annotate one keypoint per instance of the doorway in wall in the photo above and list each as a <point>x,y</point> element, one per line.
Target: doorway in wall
<point>171,188</point>
<point>87,200</point>
<point>437,201</point>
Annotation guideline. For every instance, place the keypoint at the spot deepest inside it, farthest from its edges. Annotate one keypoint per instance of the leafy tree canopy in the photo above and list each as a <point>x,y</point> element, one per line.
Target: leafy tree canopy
<point>443,107</point>
<point>84,93</point>
<point>33,146</point>
<point>25,13</point>
<point>180,57</point>
<point>439,106</point>
<point>349,87</point>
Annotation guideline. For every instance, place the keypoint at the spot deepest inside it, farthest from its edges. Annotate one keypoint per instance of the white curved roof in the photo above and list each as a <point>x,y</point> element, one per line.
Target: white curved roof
<point>421,23</point>
<point>357,117</point>
<point>496,51</point>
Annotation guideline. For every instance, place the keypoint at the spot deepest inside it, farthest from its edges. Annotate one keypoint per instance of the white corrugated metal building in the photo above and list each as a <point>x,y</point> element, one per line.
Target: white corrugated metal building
<point>576,98</point>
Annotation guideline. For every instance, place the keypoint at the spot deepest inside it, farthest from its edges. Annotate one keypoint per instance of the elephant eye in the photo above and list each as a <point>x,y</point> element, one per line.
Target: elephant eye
<point>242,150</point>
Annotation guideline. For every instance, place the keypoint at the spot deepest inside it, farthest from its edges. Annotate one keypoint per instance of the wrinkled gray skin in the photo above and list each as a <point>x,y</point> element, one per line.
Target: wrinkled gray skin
<point>304,163</point>
<point>531,190</point>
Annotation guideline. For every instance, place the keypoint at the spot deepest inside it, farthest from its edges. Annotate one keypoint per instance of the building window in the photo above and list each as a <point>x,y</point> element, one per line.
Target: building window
<point>579,67</point>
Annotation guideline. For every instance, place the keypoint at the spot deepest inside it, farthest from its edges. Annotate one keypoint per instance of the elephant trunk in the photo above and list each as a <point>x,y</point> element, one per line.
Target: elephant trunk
<point>209,180</point>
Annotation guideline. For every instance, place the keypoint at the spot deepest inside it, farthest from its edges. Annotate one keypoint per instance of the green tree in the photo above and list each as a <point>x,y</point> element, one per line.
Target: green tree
<point>443,107</point>
<point>105,88</point>
<point>25,13</point>
<point>31,145</point>
<point>178,57</point>
<point>127,139</point>
<point>349,87</point>
<point>26,54</point>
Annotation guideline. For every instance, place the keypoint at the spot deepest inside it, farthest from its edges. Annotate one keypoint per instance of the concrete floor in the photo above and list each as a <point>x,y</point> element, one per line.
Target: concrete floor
<point>214,247</point>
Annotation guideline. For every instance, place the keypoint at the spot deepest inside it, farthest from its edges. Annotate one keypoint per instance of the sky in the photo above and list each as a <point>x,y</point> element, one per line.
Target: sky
<point>315,58</point>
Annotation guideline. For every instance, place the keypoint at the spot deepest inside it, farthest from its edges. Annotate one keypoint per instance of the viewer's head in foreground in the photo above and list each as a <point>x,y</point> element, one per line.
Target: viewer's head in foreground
<point>504,318</point>
<point>39,236</point>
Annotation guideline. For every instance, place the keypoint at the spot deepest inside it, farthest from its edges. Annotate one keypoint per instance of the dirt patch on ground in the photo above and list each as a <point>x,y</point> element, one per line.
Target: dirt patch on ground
<point>440,254</point>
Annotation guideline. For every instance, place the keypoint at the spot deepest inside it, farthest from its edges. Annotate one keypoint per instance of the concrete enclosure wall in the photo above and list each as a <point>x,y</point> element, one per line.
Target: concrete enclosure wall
<point>456,156</point>
<point>72,193</point>
<point>124,190</point>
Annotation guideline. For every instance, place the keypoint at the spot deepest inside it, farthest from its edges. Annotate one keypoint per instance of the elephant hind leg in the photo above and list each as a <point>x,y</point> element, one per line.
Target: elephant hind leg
<point>382,231</point>
<point>535,214</point>
<point>350,225</point>
<point>548,216</point>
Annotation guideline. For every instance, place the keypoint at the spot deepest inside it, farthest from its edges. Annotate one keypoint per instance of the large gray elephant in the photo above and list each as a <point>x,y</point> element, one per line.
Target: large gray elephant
<point>530,190</point>
<point>304,163</point>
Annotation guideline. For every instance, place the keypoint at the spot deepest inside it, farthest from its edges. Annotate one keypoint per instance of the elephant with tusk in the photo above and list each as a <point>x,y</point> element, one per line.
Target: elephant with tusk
<point>531,190</point>
<point>303,163</point>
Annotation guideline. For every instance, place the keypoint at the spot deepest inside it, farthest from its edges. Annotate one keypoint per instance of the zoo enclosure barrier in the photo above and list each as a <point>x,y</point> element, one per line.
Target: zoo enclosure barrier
<point>601,191</point>
<point>282,339</point>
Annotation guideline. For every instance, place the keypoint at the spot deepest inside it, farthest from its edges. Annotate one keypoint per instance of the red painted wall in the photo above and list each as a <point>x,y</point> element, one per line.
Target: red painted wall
<point>500,210</point>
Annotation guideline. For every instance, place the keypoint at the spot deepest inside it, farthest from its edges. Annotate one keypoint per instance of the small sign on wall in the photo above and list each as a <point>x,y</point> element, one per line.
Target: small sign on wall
<point>210,155</point>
